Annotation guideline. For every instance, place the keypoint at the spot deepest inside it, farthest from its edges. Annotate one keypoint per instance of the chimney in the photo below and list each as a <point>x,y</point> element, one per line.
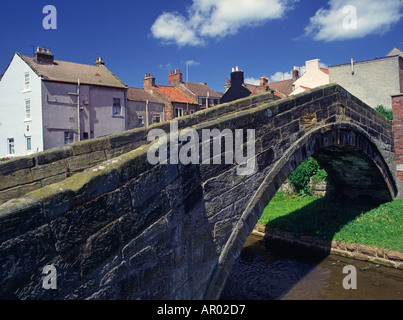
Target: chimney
<point>237,77</point>
<point>148,82</point>
<point>263,81</point>
<point>295,73</point>
<point>397,107</point>
<point>43,56</point>
<point>99,61</point>
<point>312,65</point>
<point>174,78</point>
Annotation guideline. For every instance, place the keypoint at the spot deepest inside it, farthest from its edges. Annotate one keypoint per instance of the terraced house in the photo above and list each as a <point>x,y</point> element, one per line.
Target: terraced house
<point>48,103</point>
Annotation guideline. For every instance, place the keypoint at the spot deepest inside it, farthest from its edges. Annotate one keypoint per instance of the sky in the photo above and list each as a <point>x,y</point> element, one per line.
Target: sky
<point>205,39</point>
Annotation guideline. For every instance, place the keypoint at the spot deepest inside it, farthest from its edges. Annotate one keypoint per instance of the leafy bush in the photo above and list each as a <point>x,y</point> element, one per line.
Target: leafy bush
<point>386,112</point>
<point>306,170</point>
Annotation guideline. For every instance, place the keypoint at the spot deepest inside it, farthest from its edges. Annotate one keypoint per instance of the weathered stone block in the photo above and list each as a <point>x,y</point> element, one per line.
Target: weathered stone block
<point>50,170</point>
<point>17,192</point>
<point>16,178</point>
<point>89,146</point>
<point>83,161</point>
<point>99,247</point>
<point>16,164</point>
<point>81,222</point>
<point>20,216</point>
<point>22,257</point>
<point>53,155</point>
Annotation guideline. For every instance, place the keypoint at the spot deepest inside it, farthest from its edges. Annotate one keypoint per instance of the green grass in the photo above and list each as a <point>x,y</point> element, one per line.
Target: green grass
<point>359,222</point>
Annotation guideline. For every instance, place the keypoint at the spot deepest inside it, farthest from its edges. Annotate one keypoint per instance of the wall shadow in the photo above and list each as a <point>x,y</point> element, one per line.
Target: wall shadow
<point>268,269</point>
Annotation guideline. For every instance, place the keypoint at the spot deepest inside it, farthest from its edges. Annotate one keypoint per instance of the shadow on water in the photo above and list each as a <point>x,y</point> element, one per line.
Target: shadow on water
<point>269,269</point>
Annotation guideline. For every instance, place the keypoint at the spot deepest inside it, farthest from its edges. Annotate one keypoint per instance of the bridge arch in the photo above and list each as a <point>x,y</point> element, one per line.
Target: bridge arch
<point>330,145</point>
<point>116,226</point>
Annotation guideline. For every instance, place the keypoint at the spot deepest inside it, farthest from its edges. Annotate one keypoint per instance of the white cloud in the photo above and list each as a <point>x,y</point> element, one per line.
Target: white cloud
<point>278,76</point>
<point>351,19</point>
<point>191,63</point>
<point>216,19</point>
<point>173,28</point>
<point>253,81</point>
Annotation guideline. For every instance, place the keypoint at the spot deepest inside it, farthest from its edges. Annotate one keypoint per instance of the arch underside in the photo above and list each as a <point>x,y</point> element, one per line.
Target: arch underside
<point>355,167</point>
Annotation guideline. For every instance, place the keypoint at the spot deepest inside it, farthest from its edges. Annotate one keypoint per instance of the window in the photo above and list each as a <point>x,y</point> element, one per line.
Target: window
<point>26,81</point>
<point>192,111</point>
<point>29,143</point>
<point>10,142</point>
<point>27,109</point>
<point>141,121</point>
<point>68,137</point>
<point>156,118</point>
<point>178,112</point>
<point>117,109</point>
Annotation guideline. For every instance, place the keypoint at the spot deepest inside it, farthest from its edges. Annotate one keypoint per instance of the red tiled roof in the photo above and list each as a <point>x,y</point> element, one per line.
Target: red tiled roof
<point>175,95</point>
<point>325,70</point>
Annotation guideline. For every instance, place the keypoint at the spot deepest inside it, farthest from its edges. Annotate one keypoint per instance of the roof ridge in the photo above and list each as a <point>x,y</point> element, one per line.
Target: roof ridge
<point>113,75</point>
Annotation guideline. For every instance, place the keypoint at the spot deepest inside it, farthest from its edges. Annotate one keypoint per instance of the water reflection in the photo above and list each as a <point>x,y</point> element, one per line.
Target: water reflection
<point>274,271</point>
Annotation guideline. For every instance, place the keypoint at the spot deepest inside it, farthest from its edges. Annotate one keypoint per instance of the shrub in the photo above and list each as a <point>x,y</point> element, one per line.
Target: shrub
<point>306,170</point>
<point>386,112</point>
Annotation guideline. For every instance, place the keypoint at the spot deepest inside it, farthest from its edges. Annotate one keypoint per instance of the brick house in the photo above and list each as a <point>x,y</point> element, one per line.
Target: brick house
<point>177,103</point>
<point>200,92</point>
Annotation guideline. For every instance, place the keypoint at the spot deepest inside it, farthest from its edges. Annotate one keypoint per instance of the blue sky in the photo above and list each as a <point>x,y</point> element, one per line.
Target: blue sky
<point>262,37</point>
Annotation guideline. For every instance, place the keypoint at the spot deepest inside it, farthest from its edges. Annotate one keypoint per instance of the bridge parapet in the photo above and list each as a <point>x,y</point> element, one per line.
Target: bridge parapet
<point>24,174</point>
<point>125,229</point>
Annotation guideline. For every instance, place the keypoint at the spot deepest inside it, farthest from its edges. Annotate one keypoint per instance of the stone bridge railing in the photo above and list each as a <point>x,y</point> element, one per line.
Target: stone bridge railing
<point>24,174</point>
<point>126,229</point>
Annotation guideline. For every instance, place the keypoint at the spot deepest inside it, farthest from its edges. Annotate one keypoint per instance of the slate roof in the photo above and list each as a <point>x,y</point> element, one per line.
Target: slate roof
<point>285,86</point>
<point>200,89</point>
<point>175,95</point>
<point>70,72</point>
<point>281,88</point>
<point>138,94</point>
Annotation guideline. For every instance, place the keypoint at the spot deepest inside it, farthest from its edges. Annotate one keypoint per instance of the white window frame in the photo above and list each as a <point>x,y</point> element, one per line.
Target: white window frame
<point>115,108</point>
<point>28,138</point>
<point>11,145</point>
<point>156,116</point>
<point>141,120</point>
<point>27,110</point>
<point>68,137</point>
<point>178,111</point>
<point>27,82</point>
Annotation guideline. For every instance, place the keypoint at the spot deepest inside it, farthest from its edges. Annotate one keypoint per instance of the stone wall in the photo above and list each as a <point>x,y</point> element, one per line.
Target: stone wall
<point>24,174</point>
<point>125,229</point>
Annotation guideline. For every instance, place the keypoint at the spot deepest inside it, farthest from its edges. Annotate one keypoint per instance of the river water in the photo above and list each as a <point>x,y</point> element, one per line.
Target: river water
<point>275,271</point>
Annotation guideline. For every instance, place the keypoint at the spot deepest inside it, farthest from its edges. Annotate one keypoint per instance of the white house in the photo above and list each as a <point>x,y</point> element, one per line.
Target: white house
<point>314,76</point>
<point>47,103</point>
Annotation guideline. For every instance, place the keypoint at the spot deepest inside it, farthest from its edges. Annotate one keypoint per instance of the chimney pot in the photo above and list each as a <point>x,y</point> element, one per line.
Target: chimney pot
<point>43,56</point>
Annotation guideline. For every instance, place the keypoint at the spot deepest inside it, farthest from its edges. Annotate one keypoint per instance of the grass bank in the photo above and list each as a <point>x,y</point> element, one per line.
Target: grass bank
<point>358,222</point>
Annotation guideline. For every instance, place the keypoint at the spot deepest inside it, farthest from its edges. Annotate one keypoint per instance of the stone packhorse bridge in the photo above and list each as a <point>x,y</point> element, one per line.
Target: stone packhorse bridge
<point>114,226</point>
